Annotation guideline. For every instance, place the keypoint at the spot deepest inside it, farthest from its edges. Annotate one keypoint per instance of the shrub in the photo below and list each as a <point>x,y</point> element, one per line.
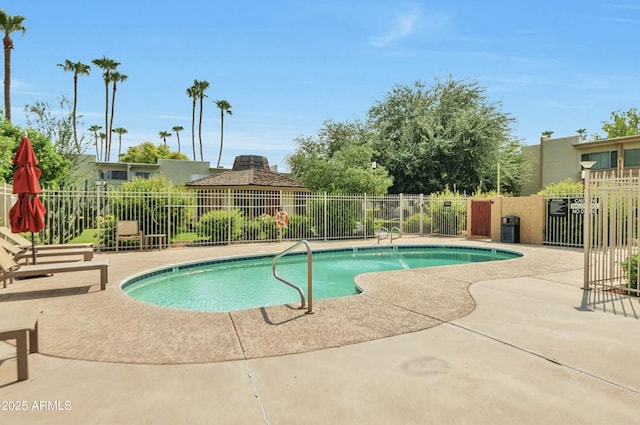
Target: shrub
<point>449,212</point>
<point>341,219</point>
<point>412,224</point>
<point>630,269</point>
<point>299,227</point>
<point>107,236</point>
<point>214,225</point>
<point>262,228</point>
<point>148,200</point>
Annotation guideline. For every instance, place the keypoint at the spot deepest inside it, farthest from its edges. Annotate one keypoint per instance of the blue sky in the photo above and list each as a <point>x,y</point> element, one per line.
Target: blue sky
<point>286,66</point>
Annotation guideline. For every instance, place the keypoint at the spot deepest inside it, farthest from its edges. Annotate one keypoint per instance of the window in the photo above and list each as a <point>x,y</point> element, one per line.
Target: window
<point>603,160</point>
<point>632,157</point>
<point>112,175</point>
<point>142,174</point>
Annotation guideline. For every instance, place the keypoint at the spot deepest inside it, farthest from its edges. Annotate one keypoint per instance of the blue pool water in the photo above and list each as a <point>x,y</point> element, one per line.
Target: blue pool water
<point>238,283</point>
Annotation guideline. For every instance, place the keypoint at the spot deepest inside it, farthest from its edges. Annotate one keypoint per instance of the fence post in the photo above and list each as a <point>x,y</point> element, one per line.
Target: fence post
<point>586,222</point>
<point>168,217</point>
<point>421,204</point>
<point>401,212</point>
<point>364,232</point>
<point>326,215</point>
<point>229,216</point>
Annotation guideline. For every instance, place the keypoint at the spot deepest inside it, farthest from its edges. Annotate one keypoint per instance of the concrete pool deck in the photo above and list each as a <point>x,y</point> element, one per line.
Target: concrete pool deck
<point>513,341</point>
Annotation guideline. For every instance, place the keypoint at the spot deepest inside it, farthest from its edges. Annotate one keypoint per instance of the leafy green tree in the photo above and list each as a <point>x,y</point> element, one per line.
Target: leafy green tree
<point>446,135</point>
<point>151,210</point>
<point>178,129</point>
<point>56,126</point>
<point>78,68</point>
<point>55,167</point>
<point>148,153</point>
<point>567,188</point>
<point>9,24</point>
<point>225,107</point>
<point>339,160</point>
<point>622,124</point>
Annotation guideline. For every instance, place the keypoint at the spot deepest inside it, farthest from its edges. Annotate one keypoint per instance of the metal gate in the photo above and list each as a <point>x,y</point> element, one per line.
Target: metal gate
<point>565,221</point>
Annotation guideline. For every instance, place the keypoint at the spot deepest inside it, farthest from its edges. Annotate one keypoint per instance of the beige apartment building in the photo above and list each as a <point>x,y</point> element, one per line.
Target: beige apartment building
<point>557,159</point>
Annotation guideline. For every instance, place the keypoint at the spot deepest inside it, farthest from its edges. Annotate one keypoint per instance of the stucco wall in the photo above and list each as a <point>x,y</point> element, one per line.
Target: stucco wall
<point>530,209</point>
<point>559,159</point>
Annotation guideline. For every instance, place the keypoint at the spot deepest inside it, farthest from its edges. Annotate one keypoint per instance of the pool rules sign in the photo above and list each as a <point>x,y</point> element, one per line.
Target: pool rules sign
<point>560,207</point>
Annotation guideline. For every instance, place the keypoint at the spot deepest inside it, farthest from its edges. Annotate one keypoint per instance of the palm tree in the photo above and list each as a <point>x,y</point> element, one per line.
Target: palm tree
<point>120,131</point>
<point>163,136</point>
<point>103,141</point>
<point>116,78</point>
<point>201,87</point>
<point>78,68</point>
<point>582,132</point>
<point>9,24</point>
<point>178,129</point>
<point>108,66</point>
<point>95,129</point>
<point>191,92</point>
<point>224,107</point>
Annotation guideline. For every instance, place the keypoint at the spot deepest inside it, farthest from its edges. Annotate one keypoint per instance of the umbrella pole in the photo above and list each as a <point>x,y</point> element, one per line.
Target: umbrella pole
<point>33,248</point>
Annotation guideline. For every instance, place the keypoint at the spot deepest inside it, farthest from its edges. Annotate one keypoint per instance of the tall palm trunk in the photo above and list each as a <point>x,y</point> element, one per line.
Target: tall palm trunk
<point>8,45</point>
<point>193,129</point>
<point>113,103</point>
<point>221,136</point>
<point>75,103</point>
<point>200,127</point>
<point>106,111</point>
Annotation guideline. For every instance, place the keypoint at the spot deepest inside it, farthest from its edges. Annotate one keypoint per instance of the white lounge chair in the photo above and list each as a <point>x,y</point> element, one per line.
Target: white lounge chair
<point>9,269</point>
<point>25,243</point>
<point>45,255</point>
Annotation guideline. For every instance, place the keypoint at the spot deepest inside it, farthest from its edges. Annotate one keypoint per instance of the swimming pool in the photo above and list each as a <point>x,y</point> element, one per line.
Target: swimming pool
<point>237,283</point>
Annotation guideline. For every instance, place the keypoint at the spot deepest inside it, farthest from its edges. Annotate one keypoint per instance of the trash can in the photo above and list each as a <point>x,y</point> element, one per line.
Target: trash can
<point>510,229</point>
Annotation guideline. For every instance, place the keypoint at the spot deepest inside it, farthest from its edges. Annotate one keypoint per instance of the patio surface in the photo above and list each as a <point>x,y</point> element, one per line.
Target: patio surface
<point>515,341</point>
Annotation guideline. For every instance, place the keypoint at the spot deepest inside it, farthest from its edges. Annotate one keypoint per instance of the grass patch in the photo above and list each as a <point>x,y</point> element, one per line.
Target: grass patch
<point>87,236</point>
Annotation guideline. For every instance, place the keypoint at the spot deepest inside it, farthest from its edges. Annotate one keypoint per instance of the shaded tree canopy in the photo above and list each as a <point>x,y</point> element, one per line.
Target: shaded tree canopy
<point>448,135</point>
<point>622,124</point>
<point>148,153</point>
<point>338,160</point>
<point>54,166</point>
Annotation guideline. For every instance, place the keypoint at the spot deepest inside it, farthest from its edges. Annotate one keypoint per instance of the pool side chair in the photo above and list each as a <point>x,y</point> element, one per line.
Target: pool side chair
<point>24,330</point>
<point>10,269</point>
<point>25,243</point>
<point>128,230</point>
<point>46,255</point>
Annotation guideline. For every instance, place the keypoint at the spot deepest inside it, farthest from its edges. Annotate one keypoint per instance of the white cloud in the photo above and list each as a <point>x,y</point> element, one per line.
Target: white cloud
<point>408,24</point>
<point>403,27</point>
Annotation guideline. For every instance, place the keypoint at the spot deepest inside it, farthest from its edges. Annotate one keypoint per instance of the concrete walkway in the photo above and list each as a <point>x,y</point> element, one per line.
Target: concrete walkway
<point>507,342</point>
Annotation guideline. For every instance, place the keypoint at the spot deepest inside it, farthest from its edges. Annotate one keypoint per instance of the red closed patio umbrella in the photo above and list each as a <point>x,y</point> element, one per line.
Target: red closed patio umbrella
<point>27,215</point>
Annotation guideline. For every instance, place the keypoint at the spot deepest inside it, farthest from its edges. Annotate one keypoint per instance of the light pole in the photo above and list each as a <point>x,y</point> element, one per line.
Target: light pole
<point>586,220</point>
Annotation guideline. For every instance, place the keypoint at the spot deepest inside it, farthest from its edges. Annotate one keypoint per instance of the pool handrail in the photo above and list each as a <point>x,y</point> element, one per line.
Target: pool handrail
<point>309,274</point>
<point>391,233</point>
<point>379,233</point>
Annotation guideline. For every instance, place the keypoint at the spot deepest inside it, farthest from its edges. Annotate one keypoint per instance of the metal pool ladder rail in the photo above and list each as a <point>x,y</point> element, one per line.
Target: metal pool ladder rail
<point>384,233</point>
<point>309,274</point>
